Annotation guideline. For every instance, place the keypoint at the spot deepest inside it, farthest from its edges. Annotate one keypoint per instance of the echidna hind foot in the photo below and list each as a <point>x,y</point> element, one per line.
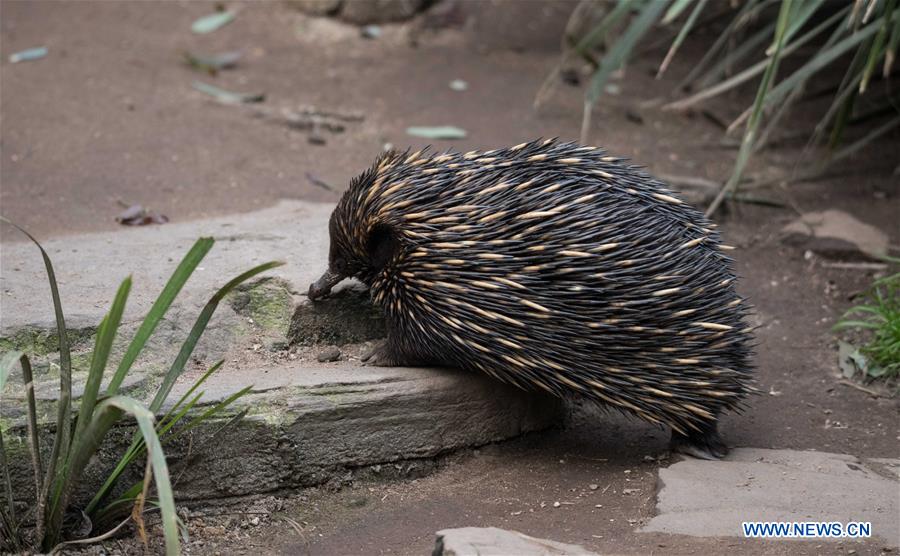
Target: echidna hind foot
<point>702,444</point>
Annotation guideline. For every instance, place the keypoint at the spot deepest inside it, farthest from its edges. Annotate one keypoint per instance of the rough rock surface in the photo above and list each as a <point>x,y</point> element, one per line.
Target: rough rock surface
<point>491,541</point>
<point>713,498</point>
<point>837,234</point>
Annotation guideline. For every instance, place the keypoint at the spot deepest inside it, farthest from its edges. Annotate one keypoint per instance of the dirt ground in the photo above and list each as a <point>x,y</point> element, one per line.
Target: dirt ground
<point>109,117</point>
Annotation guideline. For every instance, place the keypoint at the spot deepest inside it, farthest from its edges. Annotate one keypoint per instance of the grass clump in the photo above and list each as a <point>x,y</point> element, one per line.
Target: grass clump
<point>756,40</point>
<point>78,437</point>
<point>879,318</point>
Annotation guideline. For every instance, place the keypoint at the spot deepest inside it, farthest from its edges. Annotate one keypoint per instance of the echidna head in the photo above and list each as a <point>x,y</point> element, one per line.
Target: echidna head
<point>361,247</point>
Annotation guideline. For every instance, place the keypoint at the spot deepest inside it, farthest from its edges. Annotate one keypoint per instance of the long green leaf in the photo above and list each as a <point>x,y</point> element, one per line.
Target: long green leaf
<point>7,362</point>
<point>735,57</point>
<point>35,442</point>
<point>188,347</point>
<point>599,32</point>
<point>891,52</point>
<point>62,441</point>
<point>106,334</point>
<point>176,369</point>
<point>624,46</point>
<point>106,413</point>
<point>803,11</point>
<point>675,10</point>
<point>199,382</point>
<point>137,445</point>
<point>761,93</point>
<point>187,266</point>
<point>747,9</point>
<point>878,47</point>
<point>209,413</point>
<point>682,34</point>
<point>819,62</point>
<point>7,514</point>
<point>862,142</point>
<point>753,70</point>
<point>61,491</point>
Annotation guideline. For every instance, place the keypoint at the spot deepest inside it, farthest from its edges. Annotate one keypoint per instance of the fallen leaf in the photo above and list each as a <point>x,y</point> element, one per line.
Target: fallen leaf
<point>211,22</point>
<point>459,85</point>
<point>212,64</point>
<point>437,132</point>
<point>318,182</point>
<point>136,215</point>
<point>228,97</point>
<point>370,32</point>
<point>27,55</point>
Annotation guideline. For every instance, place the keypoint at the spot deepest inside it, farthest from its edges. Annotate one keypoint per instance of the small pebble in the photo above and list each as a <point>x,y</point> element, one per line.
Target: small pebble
<point>593,486</point>
<point>556,504</point>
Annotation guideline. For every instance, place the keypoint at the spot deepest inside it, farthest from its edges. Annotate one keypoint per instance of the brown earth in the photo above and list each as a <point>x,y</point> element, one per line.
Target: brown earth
<point>109,115</point>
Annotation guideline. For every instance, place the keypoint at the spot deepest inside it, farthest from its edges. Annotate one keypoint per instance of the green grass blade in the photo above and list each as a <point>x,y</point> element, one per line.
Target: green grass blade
<point>137,446</point>
<point>199,326</point>
<point>192,389</point>
<point>144,418</point>
<point>803,11</point>
<point>675,10</point>
<point>106,334</point>
<point>682,34</point>
<point>209,413</point>
<point>7,362</point>
<point>598,33</point>
<point>35,443</point>
<point>189,405</point>
<point>69,472</point>
<point>106,414</point>
<point>868,138</point>
<point>62,441</point>
<point>891,52</point>
<point>819,62</point>
<point>761,93</point>
<point>624,46</point>
<point>878,46</point>
<point>184,270</point>
<point>855,324</point>
<point>8,515</point>
<point>754,70</point>
<point>747,9</point>
<point>734,58</point>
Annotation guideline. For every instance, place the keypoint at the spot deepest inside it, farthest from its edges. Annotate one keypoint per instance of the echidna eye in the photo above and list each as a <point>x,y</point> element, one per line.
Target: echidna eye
<point>381,245</point>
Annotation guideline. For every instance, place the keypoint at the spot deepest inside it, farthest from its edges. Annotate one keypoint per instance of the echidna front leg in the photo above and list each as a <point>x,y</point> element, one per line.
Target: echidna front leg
<point>703,444</point>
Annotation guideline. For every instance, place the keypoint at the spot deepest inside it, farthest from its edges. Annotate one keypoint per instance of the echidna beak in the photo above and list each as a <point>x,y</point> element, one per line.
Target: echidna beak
<point>322,287</point>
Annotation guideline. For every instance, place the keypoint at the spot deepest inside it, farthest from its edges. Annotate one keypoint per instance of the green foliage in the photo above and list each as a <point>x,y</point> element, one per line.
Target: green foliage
<point>814,35</point>
<point>879,317</point>
<point>74,448</point>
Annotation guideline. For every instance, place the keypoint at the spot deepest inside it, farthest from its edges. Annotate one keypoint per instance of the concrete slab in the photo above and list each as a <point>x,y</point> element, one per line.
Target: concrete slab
<point>491,541</point>
<point>713,498</point>
<point>90,267</point>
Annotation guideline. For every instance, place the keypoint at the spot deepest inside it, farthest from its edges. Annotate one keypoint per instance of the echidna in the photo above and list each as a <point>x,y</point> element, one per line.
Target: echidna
<point>554,266</point>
